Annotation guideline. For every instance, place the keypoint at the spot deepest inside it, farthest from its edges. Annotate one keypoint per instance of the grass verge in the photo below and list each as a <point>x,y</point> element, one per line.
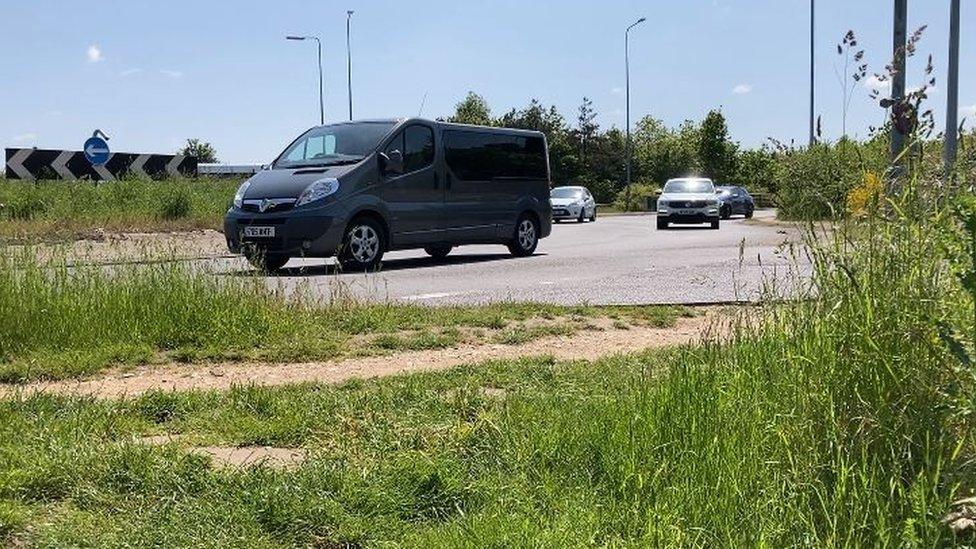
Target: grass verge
<point>58,321</point>
<point>59,210</point>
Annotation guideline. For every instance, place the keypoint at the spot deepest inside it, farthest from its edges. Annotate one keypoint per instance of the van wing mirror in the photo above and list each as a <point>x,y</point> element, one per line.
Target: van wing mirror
<point>391,163</point>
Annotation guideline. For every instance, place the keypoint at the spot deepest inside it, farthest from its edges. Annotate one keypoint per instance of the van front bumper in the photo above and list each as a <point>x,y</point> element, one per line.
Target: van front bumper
<point>293,235</point>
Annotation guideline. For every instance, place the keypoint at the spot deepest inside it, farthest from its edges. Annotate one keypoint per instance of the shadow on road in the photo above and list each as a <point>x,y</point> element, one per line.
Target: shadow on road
<point>387,266</point>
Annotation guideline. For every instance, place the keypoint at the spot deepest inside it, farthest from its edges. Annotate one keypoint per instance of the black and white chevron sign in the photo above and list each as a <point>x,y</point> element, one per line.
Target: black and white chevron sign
<point>55,164</point>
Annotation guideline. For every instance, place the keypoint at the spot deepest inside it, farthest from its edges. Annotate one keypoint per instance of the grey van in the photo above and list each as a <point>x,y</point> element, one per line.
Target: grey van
<point>355,190</point>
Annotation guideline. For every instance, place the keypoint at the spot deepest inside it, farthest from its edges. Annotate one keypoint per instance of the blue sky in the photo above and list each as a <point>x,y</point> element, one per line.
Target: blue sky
<point>151,74</point>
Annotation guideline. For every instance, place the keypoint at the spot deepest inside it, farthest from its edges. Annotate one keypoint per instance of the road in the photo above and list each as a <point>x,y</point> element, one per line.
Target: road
<point>615,260</point>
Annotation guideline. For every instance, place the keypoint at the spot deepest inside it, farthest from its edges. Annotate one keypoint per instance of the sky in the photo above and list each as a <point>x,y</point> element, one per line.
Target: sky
<point>152,74</point>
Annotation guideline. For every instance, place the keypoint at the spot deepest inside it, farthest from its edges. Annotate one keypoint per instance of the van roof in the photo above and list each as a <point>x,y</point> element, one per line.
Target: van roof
<point>444,125</point>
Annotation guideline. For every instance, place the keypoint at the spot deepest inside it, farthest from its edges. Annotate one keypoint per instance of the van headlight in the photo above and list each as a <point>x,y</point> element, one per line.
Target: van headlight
<point>239,195</point>
<point>318,190</point>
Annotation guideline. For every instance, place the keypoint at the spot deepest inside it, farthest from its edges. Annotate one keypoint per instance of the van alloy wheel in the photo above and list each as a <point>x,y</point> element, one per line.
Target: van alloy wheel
<point>363,246</point>
<point>526,234</point>
<point>364,243</point>
<point>526,237</point>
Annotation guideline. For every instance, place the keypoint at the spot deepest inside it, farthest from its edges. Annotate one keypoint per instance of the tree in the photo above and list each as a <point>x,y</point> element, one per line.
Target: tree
<point>755,170</point>
<point>662,153</point>
<point>204,152</point>
<point>715,151</point>
<point>586,127</point>
<point>472,110</point>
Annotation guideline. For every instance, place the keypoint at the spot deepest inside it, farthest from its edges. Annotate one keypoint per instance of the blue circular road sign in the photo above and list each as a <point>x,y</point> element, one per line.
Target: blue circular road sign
<point>96,151</point>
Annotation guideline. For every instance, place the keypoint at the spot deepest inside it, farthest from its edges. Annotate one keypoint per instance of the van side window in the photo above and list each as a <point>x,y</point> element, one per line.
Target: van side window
<point>476,156</point>
<point>418,149</point>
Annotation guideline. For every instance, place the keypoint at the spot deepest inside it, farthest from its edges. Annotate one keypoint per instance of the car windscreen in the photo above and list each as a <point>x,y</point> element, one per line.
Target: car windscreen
<point>565,193</point>
<point>333,145</point>
<point>689,186</point>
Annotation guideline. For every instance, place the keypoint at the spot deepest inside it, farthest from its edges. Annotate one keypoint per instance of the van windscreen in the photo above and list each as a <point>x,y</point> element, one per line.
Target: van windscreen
<point>334,144</point>
<point>483,156</point>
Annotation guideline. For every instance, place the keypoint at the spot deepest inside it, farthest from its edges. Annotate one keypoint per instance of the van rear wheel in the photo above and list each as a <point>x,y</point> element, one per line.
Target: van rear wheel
<point>362,246</point>
<point>438,251</point>
<point>526,236</point>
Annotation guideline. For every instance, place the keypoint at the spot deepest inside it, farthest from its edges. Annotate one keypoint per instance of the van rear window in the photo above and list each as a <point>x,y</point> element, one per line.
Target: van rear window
<point>476,156</point>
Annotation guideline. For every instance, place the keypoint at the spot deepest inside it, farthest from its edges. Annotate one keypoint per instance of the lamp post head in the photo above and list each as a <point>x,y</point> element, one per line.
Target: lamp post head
<point>349,13</point>
<point>294,38</point>
<point>642,19</point>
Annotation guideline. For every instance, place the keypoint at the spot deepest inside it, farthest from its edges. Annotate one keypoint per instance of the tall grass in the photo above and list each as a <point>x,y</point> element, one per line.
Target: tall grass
<point>60,321</point>
<point>67,209</point>
<point>844,419</point>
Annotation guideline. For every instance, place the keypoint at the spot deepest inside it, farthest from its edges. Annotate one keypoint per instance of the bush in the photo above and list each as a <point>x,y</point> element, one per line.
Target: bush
<point>175,206</point>
<point>814,183</point>
<point>639,193</point>
<point>25,207</point>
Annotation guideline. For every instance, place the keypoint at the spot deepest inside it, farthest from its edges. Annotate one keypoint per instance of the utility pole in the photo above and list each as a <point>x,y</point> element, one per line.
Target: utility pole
<point>900,38</point>
<point>349,60</point>
<point>627,78</point>
<point>952,101</point>
<point>813,136</point>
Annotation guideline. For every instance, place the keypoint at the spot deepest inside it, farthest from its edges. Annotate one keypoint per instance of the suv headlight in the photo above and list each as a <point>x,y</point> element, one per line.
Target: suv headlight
<point>239,195</point>
<point>318,190</point>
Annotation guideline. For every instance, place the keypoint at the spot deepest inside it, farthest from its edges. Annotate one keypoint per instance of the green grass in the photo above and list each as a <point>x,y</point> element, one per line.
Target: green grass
<point>57,210</point>
<point>847,418</point>
<point>58,321</point>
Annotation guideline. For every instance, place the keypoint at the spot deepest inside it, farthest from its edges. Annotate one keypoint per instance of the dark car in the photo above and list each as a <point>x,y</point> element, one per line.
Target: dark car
<point>734,201</point>
<point>355,190</point>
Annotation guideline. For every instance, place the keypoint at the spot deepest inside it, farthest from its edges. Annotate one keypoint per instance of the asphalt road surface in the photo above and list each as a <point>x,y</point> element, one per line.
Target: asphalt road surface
<point>615,260</point>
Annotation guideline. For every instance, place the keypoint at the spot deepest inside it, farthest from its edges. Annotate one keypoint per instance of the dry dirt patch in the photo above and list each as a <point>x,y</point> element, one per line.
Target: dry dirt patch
<point>233,456</point>
<point>111,248</point>
<point>582,345</point>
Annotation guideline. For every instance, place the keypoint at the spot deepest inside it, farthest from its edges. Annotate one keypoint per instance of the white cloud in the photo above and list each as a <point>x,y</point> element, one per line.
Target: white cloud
<point>95,54</point>
<point>742,89</point>
<point>31,136</point>
<point>616,90</point>
<point>874,83</point>
<point>968,112</point>
<point>171,73</point>
<point>129,72</point>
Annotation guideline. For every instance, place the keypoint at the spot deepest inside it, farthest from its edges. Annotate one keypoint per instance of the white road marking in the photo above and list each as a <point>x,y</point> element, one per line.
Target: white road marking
<point>435,295</point>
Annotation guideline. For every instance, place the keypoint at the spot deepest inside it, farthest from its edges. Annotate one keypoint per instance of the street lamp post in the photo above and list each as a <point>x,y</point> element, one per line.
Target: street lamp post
<point>349,60</point>
<point>952,95</point>
<point>627,80</point>
<point>321,100</point>
<point>812,74</point>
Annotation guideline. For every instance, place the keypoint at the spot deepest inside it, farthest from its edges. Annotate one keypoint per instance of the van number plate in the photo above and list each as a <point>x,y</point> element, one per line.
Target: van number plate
<point>259,232</point>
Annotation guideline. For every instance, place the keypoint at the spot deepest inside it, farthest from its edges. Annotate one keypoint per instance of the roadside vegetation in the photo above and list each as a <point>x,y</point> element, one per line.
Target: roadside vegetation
<point>845,419</point>
<point>59,321</point>
<point>59,210</point>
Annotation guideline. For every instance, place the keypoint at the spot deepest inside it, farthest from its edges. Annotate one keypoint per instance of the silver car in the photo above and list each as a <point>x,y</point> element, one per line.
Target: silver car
<point>572,203</point>
<point>688,200</point>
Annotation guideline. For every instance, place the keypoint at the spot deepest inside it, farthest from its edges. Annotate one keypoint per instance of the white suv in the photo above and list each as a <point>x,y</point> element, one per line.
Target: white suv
<point>688,200</point>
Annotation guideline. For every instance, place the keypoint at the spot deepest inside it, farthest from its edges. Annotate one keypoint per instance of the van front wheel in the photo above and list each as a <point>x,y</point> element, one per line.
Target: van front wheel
<point>526,237</point>
<point>362,246</point>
